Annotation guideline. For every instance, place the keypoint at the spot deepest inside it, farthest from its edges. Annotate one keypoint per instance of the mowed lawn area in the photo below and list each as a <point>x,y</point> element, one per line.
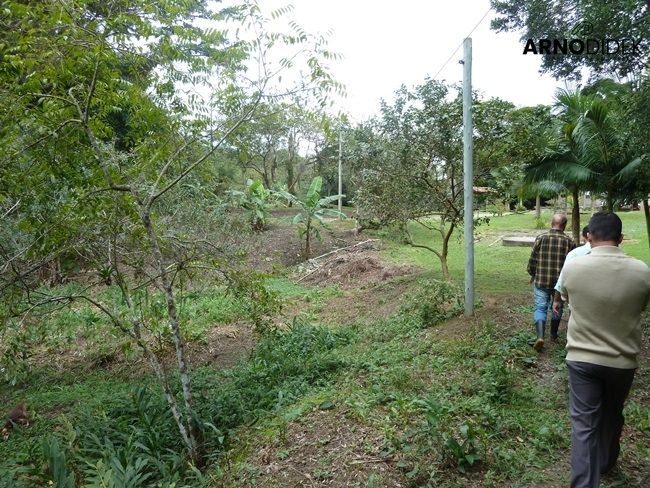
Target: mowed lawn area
<point>503,269</point>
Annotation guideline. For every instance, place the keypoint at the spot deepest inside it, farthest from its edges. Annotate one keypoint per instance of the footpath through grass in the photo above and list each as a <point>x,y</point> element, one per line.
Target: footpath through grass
<point>452,404</point>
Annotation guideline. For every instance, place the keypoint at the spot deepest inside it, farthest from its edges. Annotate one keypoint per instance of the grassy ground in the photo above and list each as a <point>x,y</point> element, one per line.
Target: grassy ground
<point>385,390</point>
<point>499,269</point>
<point>461,403</point>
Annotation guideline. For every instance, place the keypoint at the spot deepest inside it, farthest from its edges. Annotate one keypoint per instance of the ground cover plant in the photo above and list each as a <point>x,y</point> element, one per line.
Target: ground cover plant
<point>418,396</point>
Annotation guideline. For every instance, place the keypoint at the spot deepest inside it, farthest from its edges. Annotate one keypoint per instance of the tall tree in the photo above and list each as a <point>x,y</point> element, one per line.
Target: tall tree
<point>595,150</point>
<point>409,162</point>
<point>96,94</point>
<point>582,19</point>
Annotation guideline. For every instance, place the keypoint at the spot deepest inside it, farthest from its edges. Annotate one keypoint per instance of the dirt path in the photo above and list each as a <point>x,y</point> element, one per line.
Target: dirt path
<point>334,447</point>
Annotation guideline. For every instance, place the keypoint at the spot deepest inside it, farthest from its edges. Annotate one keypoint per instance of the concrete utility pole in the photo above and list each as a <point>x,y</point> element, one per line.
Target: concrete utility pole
<point>340,175</point>
<point>468,167</point>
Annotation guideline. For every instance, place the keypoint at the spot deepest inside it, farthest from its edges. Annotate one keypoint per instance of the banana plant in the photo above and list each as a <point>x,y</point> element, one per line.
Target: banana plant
<point>312,211</point>
<point>255,201</point>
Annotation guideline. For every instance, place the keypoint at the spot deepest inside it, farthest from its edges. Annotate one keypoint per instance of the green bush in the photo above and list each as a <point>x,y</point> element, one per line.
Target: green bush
<point>433,302</point>
<point>131,440</point>
<point>255,200</point>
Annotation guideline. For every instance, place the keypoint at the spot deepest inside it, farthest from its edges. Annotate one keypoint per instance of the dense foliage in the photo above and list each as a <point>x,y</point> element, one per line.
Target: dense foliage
<point>581,19</point>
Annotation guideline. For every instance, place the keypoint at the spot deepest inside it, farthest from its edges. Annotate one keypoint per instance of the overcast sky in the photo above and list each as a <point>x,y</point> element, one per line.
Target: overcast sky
<point>389,43</point>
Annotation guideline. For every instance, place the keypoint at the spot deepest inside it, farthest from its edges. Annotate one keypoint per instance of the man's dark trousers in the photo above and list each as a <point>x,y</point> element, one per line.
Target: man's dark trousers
<point>596,399</point>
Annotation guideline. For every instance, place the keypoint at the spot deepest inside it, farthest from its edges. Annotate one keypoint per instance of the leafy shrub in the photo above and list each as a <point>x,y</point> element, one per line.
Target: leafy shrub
<point>434,302</point>
<point>255,201</point>
<point>130,440</point>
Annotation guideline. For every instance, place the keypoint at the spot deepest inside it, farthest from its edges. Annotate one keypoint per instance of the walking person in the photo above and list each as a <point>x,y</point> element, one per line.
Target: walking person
<point>607,291</point>
<point>544,266</point>
<point>578,251</point>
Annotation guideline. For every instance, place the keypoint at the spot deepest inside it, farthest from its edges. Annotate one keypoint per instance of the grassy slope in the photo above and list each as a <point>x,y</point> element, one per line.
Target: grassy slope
<point>400,392</point>
<point>409,390</point>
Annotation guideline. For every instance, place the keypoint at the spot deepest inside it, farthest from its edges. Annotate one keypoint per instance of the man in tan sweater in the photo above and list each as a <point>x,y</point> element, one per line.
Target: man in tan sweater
<point>607,291</point>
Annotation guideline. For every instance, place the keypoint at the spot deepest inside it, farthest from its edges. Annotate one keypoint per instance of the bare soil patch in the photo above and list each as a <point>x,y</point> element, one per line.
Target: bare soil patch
<point>279,244</point>
<point>368,305</point>
<point>225,346</point>
<point>370,288</point>
<point>323,448</point>
<point>356,265</point>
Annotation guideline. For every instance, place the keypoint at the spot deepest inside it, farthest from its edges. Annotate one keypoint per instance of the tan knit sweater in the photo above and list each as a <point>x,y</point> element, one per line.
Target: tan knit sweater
<point>607,291</point>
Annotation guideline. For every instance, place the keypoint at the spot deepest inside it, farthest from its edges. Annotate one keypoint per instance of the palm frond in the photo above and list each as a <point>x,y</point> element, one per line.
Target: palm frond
<point>629,171</point>
<point>325,201</point>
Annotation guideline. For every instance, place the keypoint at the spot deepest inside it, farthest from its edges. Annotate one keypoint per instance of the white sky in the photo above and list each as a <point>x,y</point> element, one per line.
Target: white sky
<point>387,43</point>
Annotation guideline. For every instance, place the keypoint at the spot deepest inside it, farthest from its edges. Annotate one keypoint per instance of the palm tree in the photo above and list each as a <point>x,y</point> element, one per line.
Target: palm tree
<point>592,153</point>
<point>602,148</point>
<point>558,173</point>
<point>563,170</point>
<point>628,112</point>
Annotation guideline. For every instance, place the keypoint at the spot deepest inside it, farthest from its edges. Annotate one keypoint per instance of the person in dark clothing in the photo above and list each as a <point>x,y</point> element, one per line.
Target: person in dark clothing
<point>544,266</point>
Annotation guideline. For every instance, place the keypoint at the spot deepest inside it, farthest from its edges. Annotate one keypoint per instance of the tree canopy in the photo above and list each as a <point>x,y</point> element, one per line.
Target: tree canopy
<point>582,19</point>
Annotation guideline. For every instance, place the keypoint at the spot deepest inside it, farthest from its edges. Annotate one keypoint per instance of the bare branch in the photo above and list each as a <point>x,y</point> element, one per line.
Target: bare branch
<point>14,206</point>
<point>411,243</point>
<point>154,196</point>
<point>91,91</point>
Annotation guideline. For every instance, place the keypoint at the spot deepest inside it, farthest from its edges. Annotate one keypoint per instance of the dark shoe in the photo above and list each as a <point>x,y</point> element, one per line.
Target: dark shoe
<point>539,342</point>
<point>555,325</point>
<point>609,470</point>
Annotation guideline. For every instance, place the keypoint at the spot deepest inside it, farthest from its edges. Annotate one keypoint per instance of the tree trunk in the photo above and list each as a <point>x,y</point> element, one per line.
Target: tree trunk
<point>267,180</point>
<point>610,199</point>
<point>575,215</point>
<point>291,177</point>
<point>445,252</point>
<point>193,433</point>
<point>646,211</point>
<point>593,203</point>
<point>158,368</point>
<point>538,206</point>
<point>444,267</point>
<point>308,240</point>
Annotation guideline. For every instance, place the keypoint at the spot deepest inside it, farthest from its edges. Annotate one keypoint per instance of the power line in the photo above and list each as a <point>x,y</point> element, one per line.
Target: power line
<point>461,43</point>
<point>452,54</point>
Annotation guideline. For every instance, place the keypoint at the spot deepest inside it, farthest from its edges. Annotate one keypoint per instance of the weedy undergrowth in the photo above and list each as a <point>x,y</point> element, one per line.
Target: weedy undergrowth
<point>129,440</point>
